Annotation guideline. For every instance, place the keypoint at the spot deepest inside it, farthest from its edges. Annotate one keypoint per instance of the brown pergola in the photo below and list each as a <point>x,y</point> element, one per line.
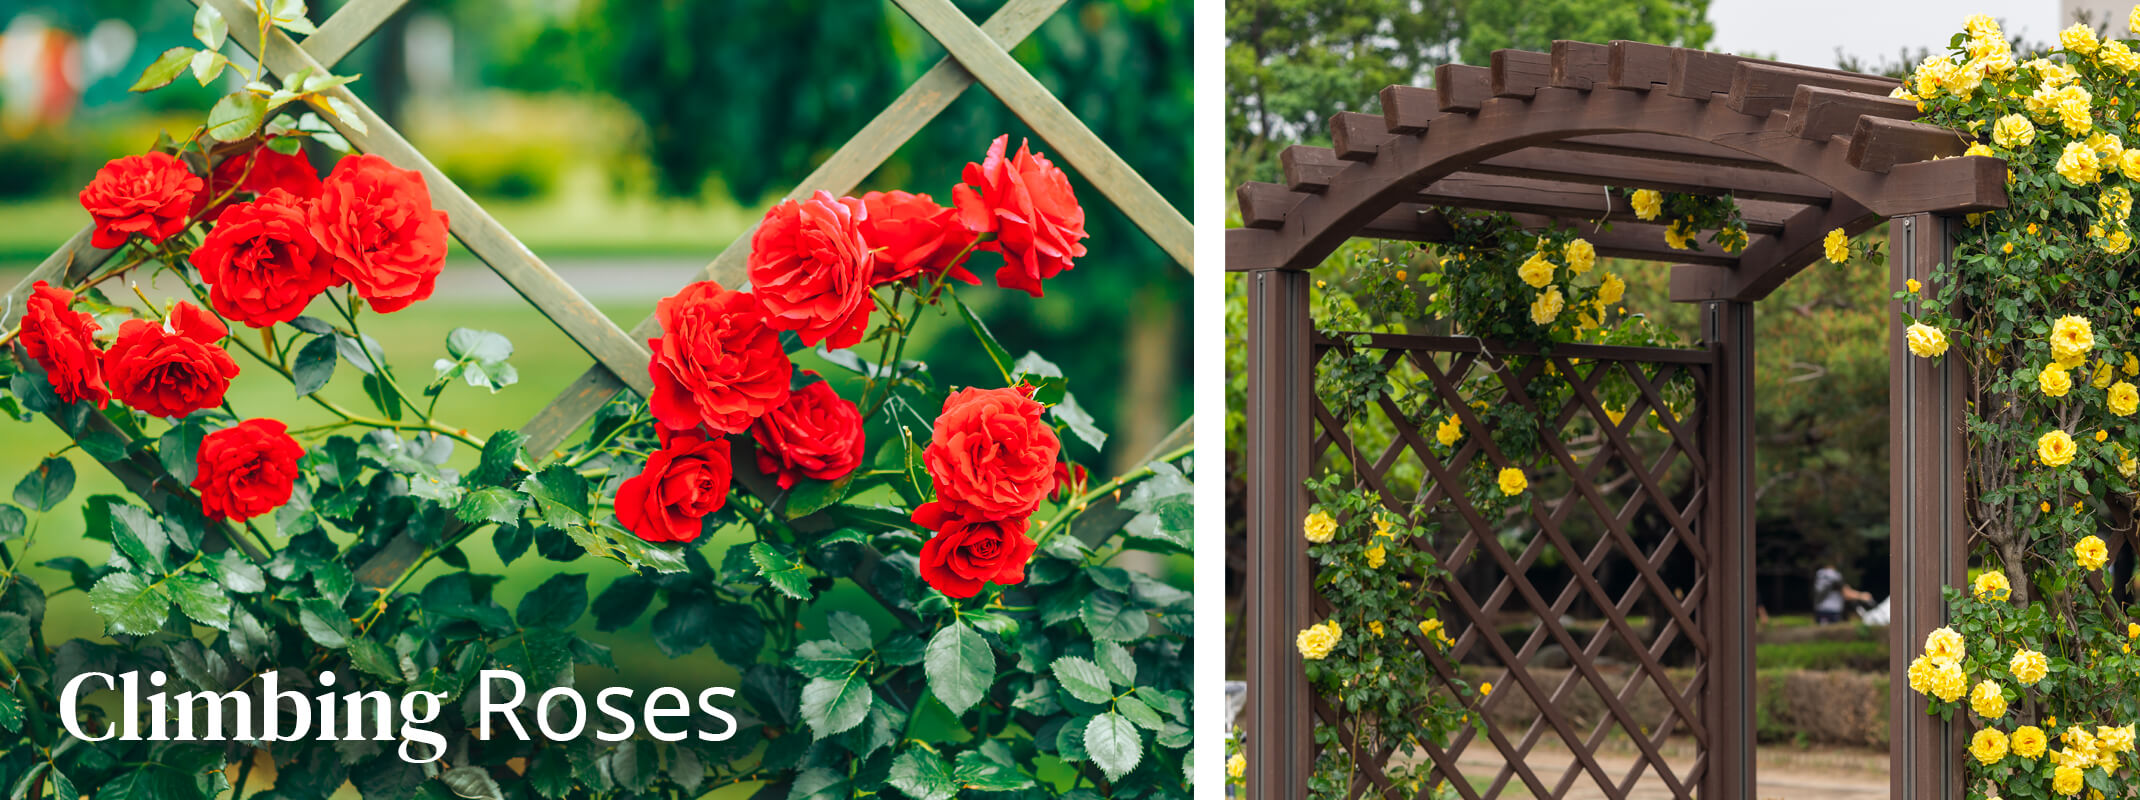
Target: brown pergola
<point>1545,137</point>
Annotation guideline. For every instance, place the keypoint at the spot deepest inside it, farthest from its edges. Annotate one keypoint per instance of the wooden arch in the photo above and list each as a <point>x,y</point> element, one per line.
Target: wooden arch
<point>1806,150</point>
<point>1545,137</point>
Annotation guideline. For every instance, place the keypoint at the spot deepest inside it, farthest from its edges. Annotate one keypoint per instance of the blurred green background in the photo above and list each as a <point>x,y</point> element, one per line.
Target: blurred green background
<point>627,142</point>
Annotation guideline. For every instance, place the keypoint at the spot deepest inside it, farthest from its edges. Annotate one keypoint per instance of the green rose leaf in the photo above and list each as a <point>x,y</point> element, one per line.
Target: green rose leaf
<point>1116,661</point>
<point>1083,679</point>
<point>46,486</point>
<point>324,621</point>
<point>1110,617</point>
<point>921,775</point>
<point>130,605</point>
<point>557,603</point>
<point>960,666</point>
<point>200,598</point>
<point>560,494</point>
<point>783,574</point>
<point>980,773</point>
<point>834,705</point>
<point>237,115</point>
<point>139,536</point>
<point>1114,744</point>
<point>11,714</point>
<point>165,69</point>
<point>1137,712</point>
<point>315,364</point>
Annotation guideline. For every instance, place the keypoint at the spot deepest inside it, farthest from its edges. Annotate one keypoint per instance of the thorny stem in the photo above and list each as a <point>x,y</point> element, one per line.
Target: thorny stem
<point>1084,501</point>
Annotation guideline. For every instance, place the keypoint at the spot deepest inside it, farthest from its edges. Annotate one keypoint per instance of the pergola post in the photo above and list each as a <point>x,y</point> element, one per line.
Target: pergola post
<point>1928,548</point>
<point>1728,698</point>
<point>1280,379</point>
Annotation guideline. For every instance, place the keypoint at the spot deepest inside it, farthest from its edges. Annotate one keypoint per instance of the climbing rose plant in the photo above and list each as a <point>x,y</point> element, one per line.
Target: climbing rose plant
<point>2036,660</point>
<point>754,502</point>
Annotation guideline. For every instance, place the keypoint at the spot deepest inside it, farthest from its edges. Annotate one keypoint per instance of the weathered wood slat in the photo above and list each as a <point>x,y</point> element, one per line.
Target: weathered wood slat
<point>1581,65</point>
<point>1264,205</point>
<point>1354,136</point>
<point>840,174</point>
<point>1818,112</point>
<point>1675,149</point>
<point>67,266</point>
<point>1645,173</point>
<point>1572,200</point>
<point>1519,73</point>
<point>477,230</point>
<point>1639,66</point>
<point>1759,89</point>
<point>1072,141</point>
<point>354,22</point>
<point>1308,169</point>
<point>1416,222</point>
<point>1409,109</point>
<point>1878,143</point>
<point>1460,87</point>
<point>1767,263</point>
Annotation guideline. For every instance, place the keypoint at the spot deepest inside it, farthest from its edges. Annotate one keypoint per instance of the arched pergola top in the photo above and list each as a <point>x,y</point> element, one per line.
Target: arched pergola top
<point>1804,150</point>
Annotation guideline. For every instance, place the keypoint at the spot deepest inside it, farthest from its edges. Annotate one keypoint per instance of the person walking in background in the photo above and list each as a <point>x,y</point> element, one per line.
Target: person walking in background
<point>1831,595</point>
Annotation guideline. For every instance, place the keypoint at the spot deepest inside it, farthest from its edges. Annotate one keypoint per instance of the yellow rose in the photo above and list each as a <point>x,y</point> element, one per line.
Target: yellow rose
<point>2124,399</point>
<point>2106,146</point>
<point>1679,235</point>
<point>2013,132</point>
<point>2132,365</point>
<point>2078,165</point>
<point>2075,110</point>
<point>2066,780</point>
<point>1837,246</point>
<point>2117,202</point>
<point>2132,20</point>
<point>1948,682</point>
<point>2080,39</point>
<point>2028,667</point>
<point>1979,149</point>
<point>1318,527</point>
<point>1612,289</point>
<point>1512,481</point>
<point>1237,766</point>
<point>1375,627</point>
<point>1931,75</point>
<point>2118,739</point>
<point>1536,271</point>
<point>1943,644</point>
<point>1988,745</point>
<point>2028,741</point>
<point>1580,255</point>
<point>1548,306</point>
<point>2116,241</point>
<point>1982,26</point>
<point>2054,381</point>
<point>1991,585</point>
<point>1615,414</point>
<point>1316,641</point>
<point>1926,341</point>
<point>2091,553</point>
<point>2101,380</point>
<point>2071,339</point>
<point>1451,430</point>
<point>1912,285</point>
<point>2127,464</point>
<point>1988,700</point>
<point>1920,674</point>
<point>1486,689</point>
<point>2055,448</point>
<point>1430,627</point>
<point>1648,203</point>
<point>1376,555</point>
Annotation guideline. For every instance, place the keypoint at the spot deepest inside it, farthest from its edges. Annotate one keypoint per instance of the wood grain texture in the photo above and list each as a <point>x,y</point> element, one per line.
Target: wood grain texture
<point>1519,73</point>
<point>1354,136</point>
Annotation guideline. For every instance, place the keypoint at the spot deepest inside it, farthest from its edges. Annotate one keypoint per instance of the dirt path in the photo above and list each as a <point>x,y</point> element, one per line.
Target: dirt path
<point>1781,772</point>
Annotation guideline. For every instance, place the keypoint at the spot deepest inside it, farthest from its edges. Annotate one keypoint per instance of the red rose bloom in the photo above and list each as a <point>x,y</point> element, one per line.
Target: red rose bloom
<point>151,194</point>
<point>968,551</point>
<point>816,434</point>
<point>810,267</point>
<point>246,470</point>
<point>1027,203</point>
<point>683,482</point>
<point>171,368</point>
<point>63,342</point>
<point>992,453</point>
<point>378,223</point>
<point>716,363</point>
<point>1069,481</point>
<point>262,169</point>
<point>261,264</point>
<point>909,235</point>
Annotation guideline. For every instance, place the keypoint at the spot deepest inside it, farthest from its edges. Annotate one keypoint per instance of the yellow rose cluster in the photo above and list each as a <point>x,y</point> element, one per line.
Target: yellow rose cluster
<point>1316,641</point>
<point>1939,671</point>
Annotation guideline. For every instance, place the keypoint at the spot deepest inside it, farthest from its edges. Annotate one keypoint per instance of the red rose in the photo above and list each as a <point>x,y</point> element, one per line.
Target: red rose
<point>246,470</point>
<point>63,342</point>
<point>683,482</point>
<point>968,551</point>
<point>810,267</point>
<point>716,362</point>
<point>150,194</point>
<point>816,434</point>
<point>262,169</point>
<point>171,368</point>
<point>377,221</point>
<point>1069,481</point>
<point>991,452</point>
<point>1027,203</point>
<point>909,235</point>
<point>261,264</point>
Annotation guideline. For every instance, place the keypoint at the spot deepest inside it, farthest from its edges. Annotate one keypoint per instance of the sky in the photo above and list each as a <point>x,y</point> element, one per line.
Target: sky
<point>1809,31</point>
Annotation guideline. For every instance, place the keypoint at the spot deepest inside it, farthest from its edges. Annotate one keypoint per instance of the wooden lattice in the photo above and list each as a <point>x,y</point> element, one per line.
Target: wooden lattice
<point>976,54</point>
<point>1609,496</point>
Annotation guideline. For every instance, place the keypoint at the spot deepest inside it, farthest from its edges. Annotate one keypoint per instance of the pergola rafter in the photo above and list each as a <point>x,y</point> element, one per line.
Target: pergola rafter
<point>1546,138</point>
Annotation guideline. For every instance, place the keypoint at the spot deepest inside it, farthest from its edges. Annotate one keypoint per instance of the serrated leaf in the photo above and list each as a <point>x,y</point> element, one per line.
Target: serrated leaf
<point>130,605</point>
<point>315,365</point>
<point>980,773</point>
<point>471,782</point>
<point>777,570</point>
<point>207,64</point>
<point>236,116</point>
<point>1110,618</point>
<point>201,599</point>
<point>1080,421</point>
<point>209,26</point>
<point>1114,744</point>
<point>960,666</point>
<point>11,712</point>
<point>557,603</point>
<point>1116,661</point>
<point>491,504</point>
<point>138,536</point>
<point>325,623</point>
<point>834,705</point>
<point>1136,711</point>
<point>560,494</point>
<point>922,775</point>
<point>165,69</point>
<point>46,486</point>
<point>1083,679</point>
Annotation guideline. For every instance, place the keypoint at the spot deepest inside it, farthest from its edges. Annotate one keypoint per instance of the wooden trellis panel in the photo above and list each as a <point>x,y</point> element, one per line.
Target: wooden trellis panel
<point>1619,524</point>
<point>977,53</point>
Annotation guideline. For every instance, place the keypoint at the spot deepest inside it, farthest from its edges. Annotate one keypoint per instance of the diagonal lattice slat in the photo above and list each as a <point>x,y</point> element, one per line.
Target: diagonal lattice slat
<point>1622,504</point>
